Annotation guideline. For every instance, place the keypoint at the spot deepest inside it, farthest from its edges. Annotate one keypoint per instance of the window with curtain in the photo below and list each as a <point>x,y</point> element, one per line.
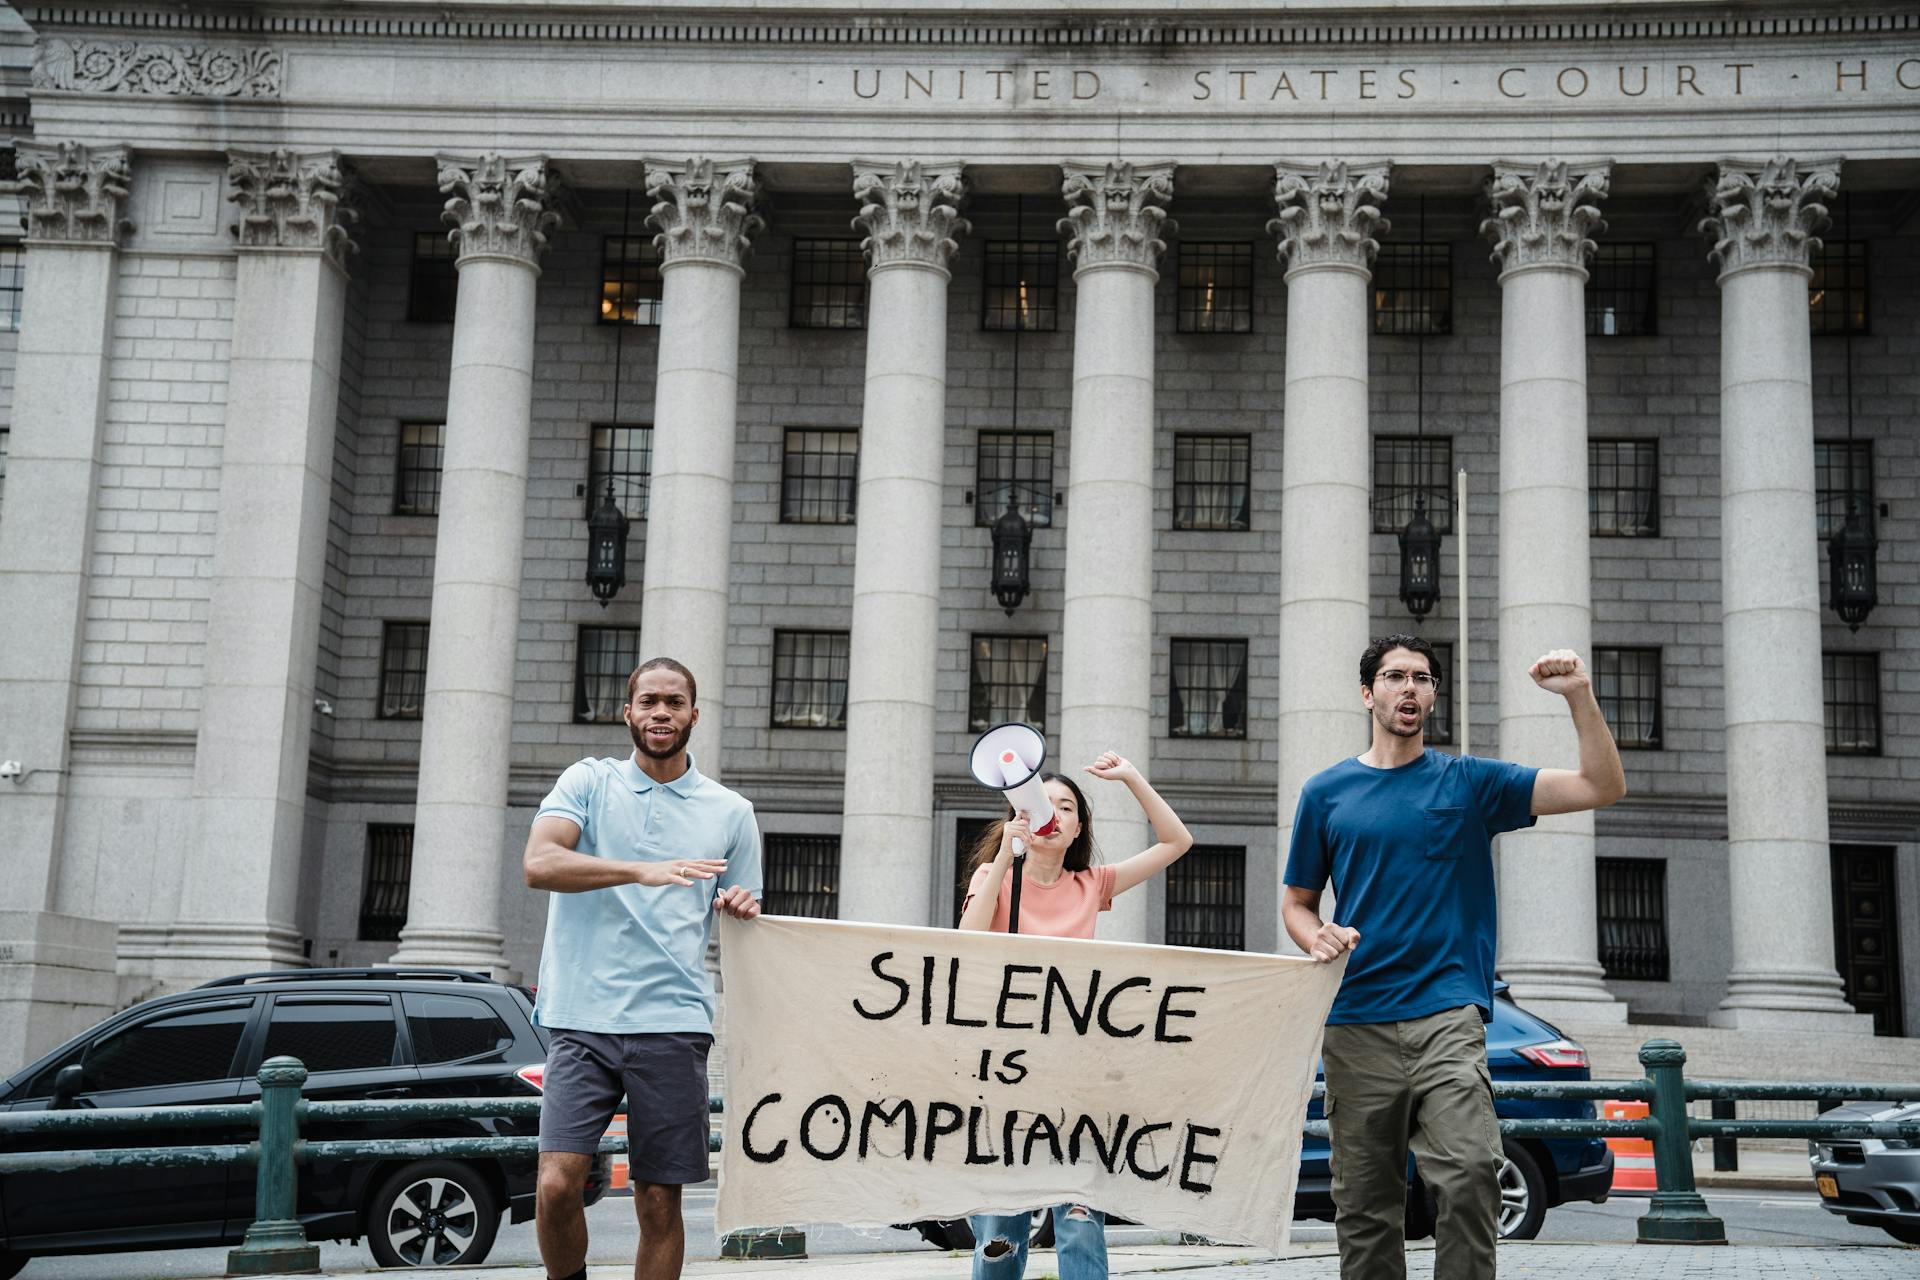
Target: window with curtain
<point>810,679</point>
<point>1407,466</point>
<point>1008,682</point>
<point>1212,481</point>
<point>603,661</point>
<point>1207,695</point>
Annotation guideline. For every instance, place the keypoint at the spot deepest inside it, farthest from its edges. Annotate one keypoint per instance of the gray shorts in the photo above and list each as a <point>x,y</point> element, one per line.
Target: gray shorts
<point>662,1075</point>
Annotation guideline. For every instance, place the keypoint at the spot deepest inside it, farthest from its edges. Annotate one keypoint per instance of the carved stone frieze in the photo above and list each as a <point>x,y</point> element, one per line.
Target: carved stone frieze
<point>1329,213</point>
<point>292,201</point>
<point>703,211</point>
<point>148,67</point>
<point>910,216</point>
<point>72,192</point>
<point>1114,215</point>
<point>1543,214</point>
<point>498,207</point>
<point>1766,213</point>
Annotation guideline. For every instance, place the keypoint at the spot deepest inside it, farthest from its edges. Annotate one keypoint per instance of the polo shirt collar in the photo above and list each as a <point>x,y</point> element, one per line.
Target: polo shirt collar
<point>637,780</point>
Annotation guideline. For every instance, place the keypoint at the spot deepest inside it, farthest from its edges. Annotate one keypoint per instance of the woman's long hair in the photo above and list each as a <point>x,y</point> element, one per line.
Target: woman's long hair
<point>1081,854</point>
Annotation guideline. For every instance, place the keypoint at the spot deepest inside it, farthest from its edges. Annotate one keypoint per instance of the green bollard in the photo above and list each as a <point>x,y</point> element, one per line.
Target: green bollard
<point>276,1243</point>
<point>1677,1214</point>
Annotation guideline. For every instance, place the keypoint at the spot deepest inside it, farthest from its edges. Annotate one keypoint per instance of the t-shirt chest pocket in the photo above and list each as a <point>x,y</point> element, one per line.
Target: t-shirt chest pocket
<point>1444,828</point>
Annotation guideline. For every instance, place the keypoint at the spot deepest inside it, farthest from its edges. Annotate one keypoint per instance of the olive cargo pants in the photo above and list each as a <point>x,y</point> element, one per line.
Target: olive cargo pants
<point>1422,1083</point>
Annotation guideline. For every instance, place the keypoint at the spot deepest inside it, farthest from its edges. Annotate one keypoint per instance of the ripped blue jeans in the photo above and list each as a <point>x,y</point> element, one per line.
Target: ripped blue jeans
<point>1079,1235</point>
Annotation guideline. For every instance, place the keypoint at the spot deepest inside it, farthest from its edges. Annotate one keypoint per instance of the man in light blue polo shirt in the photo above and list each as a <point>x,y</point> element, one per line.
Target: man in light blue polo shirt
<point>638,852</point>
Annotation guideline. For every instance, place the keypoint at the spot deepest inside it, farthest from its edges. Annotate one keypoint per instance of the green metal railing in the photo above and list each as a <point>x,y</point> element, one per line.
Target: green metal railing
<point>276,1242</point>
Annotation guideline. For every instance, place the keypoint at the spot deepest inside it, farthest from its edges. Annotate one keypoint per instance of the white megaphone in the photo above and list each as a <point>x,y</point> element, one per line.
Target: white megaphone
<point>1007,759</point>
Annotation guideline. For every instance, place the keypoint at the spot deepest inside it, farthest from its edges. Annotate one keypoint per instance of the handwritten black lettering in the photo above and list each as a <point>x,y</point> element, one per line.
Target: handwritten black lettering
<point>1168,1011</point>
<point>1106,1008</point>
<point>1109,1156</point>
<point>833,1102</point>
<point>1190,1156</point>
<point>746,1134</point>
<point>874,1111</point>
<point>906,990</point>
<point>937,1127</point>
<point>1133,1154</point>
<point>1008,995</point>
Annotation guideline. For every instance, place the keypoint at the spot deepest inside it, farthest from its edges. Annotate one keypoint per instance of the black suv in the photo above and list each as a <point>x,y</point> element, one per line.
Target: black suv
<point>362,1033</point>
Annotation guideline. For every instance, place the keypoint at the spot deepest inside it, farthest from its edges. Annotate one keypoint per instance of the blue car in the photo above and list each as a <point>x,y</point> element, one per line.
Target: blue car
<point>1537,1173</point>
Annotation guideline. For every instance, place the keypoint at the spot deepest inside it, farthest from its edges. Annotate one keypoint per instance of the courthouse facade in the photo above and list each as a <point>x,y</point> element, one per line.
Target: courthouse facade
<point>331,325</point>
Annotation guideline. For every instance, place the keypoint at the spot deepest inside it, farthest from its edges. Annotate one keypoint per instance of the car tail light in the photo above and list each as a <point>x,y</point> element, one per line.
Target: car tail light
<point>535,1075</point>
<point>1559,1055</point>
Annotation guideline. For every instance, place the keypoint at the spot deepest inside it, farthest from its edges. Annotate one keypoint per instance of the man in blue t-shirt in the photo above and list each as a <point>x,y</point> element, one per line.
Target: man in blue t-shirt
<point>638,852</point>
<point>1405,834</point>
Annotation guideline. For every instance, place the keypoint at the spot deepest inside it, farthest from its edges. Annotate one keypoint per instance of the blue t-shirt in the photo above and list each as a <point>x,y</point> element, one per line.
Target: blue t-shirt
<point>1410,854</point>
<point>630,958</point>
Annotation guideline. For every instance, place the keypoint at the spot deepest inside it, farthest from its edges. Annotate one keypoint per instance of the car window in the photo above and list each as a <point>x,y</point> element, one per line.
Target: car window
<point>449,1028</point>
<point>176,1048</point>
<point>332,1035</point>
<point>41,1086</point>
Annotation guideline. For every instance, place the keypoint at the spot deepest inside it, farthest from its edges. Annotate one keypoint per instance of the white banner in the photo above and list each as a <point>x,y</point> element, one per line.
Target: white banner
<point>880,1074</point>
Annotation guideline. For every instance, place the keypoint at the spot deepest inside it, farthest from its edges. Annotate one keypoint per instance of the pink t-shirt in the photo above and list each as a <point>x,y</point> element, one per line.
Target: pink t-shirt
<point>1063,909</point>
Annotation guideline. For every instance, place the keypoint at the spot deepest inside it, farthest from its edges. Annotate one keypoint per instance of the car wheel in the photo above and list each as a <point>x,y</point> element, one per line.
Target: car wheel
<point>433,1213</point>
<point>10,1264</point>
<point>1041,1234</point>
<point>1523,1193</point>
<point>1904,1234</point>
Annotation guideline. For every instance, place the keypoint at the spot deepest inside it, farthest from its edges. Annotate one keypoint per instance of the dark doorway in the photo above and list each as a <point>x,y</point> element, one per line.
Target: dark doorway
<point>1866,932</point>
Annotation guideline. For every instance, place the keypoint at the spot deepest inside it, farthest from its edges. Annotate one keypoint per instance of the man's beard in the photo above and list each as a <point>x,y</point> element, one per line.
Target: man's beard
<point>1391,723</point>
<point>646,748</point>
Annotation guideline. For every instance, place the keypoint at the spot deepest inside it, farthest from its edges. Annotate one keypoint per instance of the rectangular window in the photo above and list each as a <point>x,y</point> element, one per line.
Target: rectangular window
<point>403,670</point>
<point>1022,286</point>
<point>1408,466</point>
<point>818,470</point>
<point>183,1048</point>
<point>829,285</point>
<point>1852,689</point>
<point>13,285</point>
<point>416,489</point>
<point>1837,294</point>
<point>606,658</point>
<point>810,679</point>
<point>1212,481</point>
<point>1008,682</point>
<point>433,281</point>
<point>630,284</point>
<point>1216,288</point>
<point>333,1035</point>
<point>1632,899</point>
<point>1207,692</point>
<point>383,902</point>
<point>1623,493</point>
<point>452,1028</point>
<point>1620,291</point>
<point>1626,683</point>
<point>1842,474</point>
<point>1207,898</point>
<point>625,456</point>
<point>1017,468</point>
<point>1440,719</point>
<point>1413,289</point>
<point>801,875</point>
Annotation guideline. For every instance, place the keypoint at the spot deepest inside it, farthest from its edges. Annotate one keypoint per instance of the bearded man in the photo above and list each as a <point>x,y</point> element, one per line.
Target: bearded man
<point>638,853</point>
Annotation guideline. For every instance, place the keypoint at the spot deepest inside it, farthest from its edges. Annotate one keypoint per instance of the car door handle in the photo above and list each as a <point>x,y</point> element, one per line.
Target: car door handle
<point>398,1091</point>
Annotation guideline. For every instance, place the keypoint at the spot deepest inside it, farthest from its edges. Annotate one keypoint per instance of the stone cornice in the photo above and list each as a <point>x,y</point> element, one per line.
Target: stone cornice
<point>703,210</point>
<point>1542,214</point>
<point>1328,213</point>
<point>498,207</point>
<point>293,202</point>
<point>610,23</point>
<point>1113,214</point>
<point>72,193</point>
<point>1765,213</point>
<point>156,68</point>
<point>911,216</point>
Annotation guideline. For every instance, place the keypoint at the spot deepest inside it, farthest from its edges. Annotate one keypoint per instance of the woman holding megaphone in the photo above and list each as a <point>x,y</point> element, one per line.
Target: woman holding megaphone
<point>1056,890</point>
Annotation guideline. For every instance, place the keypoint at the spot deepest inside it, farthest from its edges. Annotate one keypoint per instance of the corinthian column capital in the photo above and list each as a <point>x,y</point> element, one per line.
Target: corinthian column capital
<point>1543,214</point>
<point>290,200</point>
<point>703,210</point>
<point>499,207</point>
<point>1113,214</point>
<point>72,192</point>
<point>1329,213</point>
<point>1765,213</point>
<point>911,216</point>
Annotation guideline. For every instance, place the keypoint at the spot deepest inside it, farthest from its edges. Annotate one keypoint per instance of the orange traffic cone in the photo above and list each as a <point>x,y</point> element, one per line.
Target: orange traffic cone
<point>1632,1157</point>
<point>617,1185</point>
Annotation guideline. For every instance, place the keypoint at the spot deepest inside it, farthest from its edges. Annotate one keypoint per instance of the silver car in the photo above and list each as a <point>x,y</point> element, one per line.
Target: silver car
<point>1872,1182</point>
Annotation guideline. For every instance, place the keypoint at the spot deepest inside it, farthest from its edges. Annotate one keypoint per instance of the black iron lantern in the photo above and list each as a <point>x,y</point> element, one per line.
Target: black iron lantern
<point>607,548</point>
<point>1012,556</point>
<point>1419,561</point>
<point>1850,560</point>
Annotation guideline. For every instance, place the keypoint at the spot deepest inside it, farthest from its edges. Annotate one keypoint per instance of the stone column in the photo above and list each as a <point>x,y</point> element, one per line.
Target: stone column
<point>911,218</point>
<point>1542,215</point>
<point>239,898</point>
<point>1763,218</point>
<point>499,210</point>
<point>73,195</point>
<point>1328,216</point>
<point>1114,221</point>
<point>703,210</point>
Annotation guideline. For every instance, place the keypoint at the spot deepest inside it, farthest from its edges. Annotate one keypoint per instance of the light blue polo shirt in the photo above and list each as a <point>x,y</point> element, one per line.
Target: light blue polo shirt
<point>631,958</point>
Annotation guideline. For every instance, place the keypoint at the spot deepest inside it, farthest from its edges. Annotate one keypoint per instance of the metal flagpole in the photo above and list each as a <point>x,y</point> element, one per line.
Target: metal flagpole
<point>1462,666</point>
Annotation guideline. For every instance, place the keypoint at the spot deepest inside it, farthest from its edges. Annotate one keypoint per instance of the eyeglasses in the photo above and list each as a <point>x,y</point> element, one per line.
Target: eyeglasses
<point>1394,681</point>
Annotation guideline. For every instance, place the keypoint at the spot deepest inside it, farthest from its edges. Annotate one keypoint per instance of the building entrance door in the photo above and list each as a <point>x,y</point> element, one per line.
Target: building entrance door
<point>1866,932</point>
